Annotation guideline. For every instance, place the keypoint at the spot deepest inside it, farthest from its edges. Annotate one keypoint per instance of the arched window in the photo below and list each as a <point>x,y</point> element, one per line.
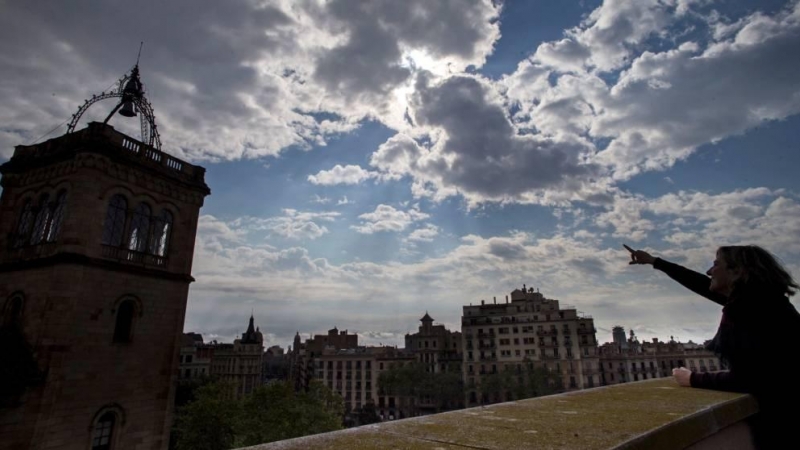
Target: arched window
<point>57,217</point>
<point>124,324</point>
<point>140,227</point>
<point>114,228</point>
<point>162,229</point>
<point>25,224</point>
<point>103,431</point>
<point>43,215</point>
<point>12,312</point>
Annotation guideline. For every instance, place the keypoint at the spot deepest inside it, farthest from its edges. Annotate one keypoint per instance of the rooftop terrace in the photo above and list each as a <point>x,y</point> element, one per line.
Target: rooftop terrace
<point>653,414</point>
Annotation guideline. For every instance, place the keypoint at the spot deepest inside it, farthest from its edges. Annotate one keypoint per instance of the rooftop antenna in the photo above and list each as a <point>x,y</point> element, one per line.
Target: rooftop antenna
<point>140,53</point>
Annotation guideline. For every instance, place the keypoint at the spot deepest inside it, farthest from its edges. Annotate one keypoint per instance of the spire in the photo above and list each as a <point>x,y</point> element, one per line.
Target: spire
<point>426,318</point>
<point>251,328</point>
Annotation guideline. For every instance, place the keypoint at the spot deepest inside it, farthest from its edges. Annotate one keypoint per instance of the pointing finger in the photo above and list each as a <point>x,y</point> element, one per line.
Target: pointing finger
<point>628,248</point>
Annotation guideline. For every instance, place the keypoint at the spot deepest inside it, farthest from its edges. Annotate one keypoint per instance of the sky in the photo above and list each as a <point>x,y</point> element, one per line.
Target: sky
<point>371,161</point>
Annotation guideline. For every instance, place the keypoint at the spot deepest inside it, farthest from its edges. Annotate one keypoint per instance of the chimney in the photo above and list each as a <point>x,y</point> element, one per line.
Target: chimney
<point>482,303</point>
<point>655,340</point>
<point>506,299</point>
<point>495,300</point>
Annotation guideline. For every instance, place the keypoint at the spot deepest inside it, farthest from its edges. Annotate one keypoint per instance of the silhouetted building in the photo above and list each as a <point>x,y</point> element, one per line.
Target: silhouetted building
<point>435,346</point>
<point>275,365</point>
<point>240,362</point>
<point>195,357</point>
<point>530,331</point>
<point>97,233</point>
<point>353,373</point>
<point>301,359</point>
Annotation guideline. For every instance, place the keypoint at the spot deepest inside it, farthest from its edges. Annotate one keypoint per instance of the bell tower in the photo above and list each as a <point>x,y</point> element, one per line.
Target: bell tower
<point>97,234</point>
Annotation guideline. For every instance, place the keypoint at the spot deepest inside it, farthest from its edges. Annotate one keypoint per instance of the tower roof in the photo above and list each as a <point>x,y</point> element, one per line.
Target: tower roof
<point>426,318</point>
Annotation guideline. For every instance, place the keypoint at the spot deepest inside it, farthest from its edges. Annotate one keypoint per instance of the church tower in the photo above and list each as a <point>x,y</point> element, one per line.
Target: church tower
<point>97,234</point>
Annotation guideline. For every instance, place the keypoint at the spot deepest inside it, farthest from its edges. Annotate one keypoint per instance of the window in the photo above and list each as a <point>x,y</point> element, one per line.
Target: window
<point>140,228</point>
<point>103,431</point>
<point>162,228</point>
<point>25,224</point>
<point>57,217</point>
<point>114,227</point>
<point>12,313</point>
<point>42,219</point>
<point>124,324</point>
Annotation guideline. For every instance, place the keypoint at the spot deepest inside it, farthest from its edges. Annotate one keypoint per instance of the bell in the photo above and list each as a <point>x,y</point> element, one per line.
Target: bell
<point>127,109</point>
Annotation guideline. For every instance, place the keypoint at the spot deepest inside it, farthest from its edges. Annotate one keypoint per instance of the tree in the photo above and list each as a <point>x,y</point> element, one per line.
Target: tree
<point>367,414</point>
<point>275,412</point>
<point>412,382</point>
<point>210,421</point>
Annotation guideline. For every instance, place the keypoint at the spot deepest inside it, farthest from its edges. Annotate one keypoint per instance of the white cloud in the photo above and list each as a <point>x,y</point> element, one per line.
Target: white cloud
<point>387,218</point>
<point>293,224</point>
<point>664,104</point>
<point>425,234</point>
<point>320,200</point>
<point>349,174</point>
<point>344,201</point>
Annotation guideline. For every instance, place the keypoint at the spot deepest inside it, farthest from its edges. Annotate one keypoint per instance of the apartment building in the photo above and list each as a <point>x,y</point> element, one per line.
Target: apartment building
<point>240,362</point>
<point>354,372</point>
<point>527,331</point>
<point>439,349</point>
<point>625,360</point>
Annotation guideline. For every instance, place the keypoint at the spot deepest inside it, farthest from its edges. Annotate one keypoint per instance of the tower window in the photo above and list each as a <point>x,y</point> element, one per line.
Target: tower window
<point>140,228</point>
<point>103,431</point>
<point>42,218</point>
<point>162,229</point>
<point>124,324</point>
<point>115,221</point>
<point>59,207</point>
<point>25,224</point>
<point>13,311</point>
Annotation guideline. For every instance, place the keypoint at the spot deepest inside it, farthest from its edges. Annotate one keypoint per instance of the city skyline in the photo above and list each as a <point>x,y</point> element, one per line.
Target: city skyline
<point>367,165</point>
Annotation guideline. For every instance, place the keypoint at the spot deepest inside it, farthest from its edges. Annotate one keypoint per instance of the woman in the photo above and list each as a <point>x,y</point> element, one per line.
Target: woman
<point>757,336</point>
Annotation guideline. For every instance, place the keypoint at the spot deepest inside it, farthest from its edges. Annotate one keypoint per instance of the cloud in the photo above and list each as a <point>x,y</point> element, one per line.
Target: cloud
<point>320,200</point>
<point>477,152</point>
<point>292,225</point>
<point>344,201</point>
<point>661,104</point>
<point>387,218</point>
<point>349,174</point>
<point>241,81</point>
<point>424,234</point>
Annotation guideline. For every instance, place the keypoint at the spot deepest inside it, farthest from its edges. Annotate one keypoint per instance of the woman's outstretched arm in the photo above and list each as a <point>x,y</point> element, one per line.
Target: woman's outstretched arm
<point>694,281</point>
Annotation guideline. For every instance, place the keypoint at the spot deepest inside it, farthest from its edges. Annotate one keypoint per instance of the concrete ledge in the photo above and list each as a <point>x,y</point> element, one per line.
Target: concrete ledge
<point>653,414</point>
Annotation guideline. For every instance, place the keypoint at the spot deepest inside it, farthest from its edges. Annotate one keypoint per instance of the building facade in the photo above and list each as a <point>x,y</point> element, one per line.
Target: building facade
<point>97,234</point>
<point>625,360</point>
<point>303,354</point>
<point>353,373</point>
<point>240,362</point>
<point>436,347</point>
<point>195,357</point>
<point>527,331</point>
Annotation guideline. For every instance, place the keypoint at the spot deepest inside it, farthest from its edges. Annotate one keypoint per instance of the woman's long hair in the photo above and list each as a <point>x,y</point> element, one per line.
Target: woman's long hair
<point>757,269</point>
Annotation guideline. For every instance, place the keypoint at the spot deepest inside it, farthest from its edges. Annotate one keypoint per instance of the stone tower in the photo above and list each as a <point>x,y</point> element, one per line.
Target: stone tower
<point>97,233</point>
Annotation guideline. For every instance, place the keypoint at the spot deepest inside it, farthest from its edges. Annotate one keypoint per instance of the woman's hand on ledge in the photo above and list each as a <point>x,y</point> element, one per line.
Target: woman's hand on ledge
<point>683,376</point>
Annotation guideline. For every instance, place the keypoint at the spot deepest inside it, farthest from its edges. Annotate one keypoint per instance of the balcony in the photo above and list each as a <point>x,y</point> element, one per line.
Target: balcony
<point>133,257</point>
<point>587,330</point>
<point>638,415</point>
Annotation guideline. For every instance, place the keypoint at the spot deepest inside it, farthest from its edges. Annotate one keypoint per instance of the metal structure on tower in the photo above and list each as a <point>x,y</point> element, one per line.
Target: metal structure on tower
<point>130,92</point>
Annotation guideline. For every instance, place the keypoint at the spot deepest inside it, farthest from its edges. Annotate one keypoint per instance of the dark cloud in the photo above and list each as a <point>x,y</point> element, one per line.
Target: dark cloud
<point>370,60</point>
<point>483,155</point>
<point>507,250</point>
